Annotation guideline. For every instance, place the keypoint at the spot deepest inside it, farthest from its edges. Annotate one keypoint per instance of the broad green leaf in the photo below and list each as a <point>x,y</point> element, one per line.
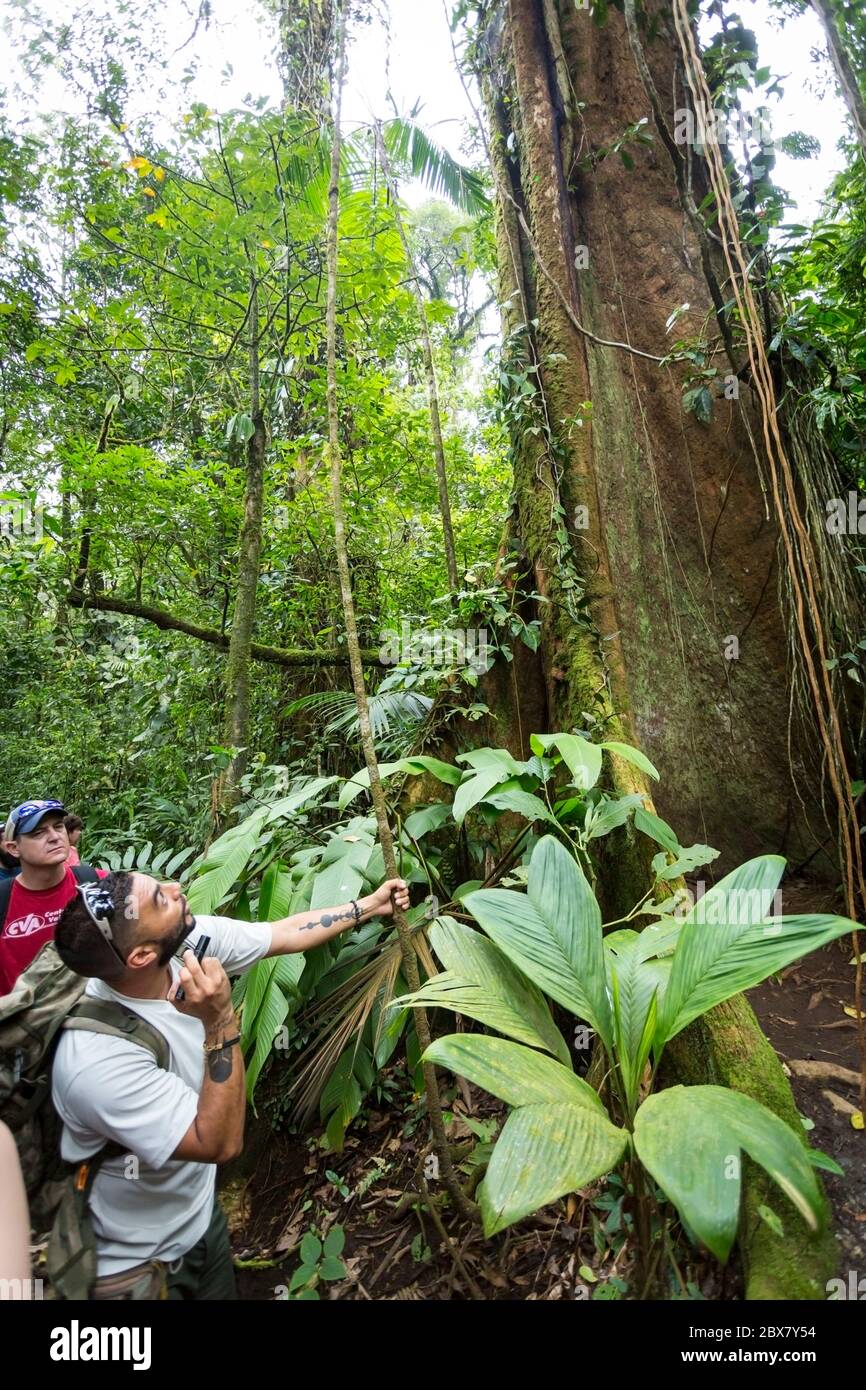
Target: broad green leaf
<point>524,803</point>
<point>727,943</point>
<point>289,969</point>
<point>276,894</point>
<point>311,1249</point>
<point>492,757</point>
<point>610,813</point>
<point>553,933</point>
<point>545,1151</point>
<point>583,759</point>
<point>335,1240</point>
<point>299,797</point>
<point>341,878</point>
<point>268,1021</point>
<point>361,782</point>
<point>687,860</point>
<point>818,1159</point>
<point>702,1177</point>
<point>427,818</point>
<point>341,1098</point>
<point>632,755</point>
<point>443,772</point>
<point>652,825</point>
<point>475,789</point>
<point>481,982</point>
<point>516,1074</point>
<point>637,986</point>
<point>224,863</point>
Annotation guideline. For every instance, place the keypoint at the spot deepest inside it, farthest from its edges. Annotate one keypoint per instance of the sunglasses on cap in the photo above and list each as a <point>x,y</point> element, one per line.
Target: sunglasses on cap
<point>100,908</point>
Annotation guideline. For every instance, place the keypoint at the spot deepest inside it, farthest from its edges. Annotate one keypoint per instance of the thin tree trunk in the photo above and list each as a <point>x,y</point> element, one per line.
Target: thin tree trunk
<point>237,676</point>
<point>386,840</point>
<point>429,369</point>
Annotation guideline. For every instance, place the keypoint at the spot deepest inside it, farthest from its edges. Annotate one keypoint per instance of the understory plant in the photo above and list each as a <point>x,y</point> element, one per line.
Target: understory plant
<point>635,991</point>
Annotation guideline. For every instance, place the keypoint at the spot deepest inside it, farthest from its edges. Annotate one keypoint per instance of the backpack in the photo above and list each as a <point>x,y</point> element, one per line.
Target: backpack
<point>46,999</point>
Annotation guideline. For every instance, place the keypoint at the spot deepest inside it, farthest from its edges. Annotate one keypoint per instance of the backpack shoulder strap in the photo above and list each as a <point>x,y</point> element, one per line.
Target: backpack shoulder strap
<point>5,896</point>
<point>108,1016</point>
<point>84,873</point>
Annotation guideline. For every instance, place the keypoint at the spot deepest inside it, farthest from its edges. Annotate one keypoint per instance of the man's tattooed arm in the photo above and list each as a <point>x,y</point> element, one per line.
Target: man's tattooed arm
<point>303,930</point>
<point>328,919</point>
<point>219,1064</point>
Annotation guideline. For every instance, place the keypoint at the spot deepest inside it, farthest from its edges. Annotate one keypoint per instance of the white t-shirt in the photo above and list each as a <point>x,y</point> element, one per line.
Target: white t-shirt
<point>143,1204</point>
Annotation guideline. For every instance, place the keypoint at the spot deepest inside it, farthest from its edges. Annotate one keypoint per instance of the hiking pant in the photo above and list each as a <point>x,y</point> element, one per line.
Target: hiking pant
<point>205,1272</point>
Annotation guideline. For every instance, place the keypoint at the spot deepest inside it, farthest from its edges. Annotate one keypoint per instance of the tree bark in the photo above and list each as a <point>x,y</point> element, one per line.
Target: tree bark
<point>306,45</point>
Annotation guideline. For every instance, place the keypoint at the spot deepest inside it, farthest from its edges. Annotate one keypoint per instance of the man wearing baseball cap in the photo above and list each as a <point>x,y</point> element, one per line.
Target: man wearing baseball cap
<point>30,908</point>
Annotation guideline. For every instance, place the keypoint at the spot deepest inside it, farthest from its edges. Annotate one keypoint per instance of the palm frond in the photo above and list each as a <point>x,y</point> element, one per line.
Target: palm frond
<point>400,709</point>
<point>339,1018</point>
<point>408,144</point>
<point>308,175</point>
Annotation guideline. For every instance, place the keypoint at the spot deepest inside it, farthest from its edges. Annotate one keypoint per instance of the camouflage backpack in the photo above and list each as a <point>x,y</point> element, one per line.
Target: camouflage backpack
<point>47,998</point>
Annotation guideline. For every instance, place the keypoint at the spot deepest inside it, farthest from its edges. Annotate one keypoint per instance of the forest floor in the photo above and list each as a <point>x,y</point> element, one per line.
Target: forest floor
<point>394,1249</point>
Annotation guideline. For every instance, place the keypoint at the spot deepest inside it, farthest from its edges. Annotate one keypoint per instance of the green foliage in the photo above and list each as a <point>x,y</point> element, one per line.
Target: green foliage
<point>126,411</point>
<point>819,341</point>
<point>636,991</point>
<point>636,995</point>
<point>320,1263</point>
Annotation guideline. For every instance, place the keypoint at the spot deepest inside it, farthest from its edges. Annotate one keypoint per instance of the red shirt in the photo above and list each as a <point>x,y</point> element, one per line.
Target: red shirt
<point>30,921</point>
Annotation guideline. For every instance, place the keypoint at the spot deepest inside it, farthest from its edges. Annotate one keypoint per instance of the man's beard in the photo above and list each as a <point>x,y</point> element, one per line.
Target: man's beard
<point>171,944</point>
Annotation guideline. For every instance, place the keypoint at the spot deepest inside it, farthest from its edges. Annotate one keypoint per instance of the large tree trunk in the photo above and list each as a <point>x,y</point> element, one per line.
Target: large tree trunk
<point>646,529</point>
<point>673,543</point>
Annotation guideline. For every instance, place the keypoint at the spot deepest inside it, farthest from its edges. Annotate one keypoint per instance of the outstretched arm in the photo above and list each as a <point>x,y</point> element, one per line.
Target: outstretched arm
<point>14,1219</point>
<point>307,929</point>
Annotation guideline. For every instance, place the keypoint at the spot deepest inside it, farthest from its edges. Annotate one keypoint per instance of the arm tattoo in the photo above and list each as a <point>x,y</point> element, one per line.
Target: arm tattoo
<point>327,919</point>
<point>219,1064</point>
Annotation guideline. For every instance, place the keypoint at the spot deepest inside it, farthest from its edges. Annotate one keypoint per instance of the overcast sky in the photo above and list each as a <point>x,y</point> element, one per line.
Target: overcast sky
<point>411,43</point>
